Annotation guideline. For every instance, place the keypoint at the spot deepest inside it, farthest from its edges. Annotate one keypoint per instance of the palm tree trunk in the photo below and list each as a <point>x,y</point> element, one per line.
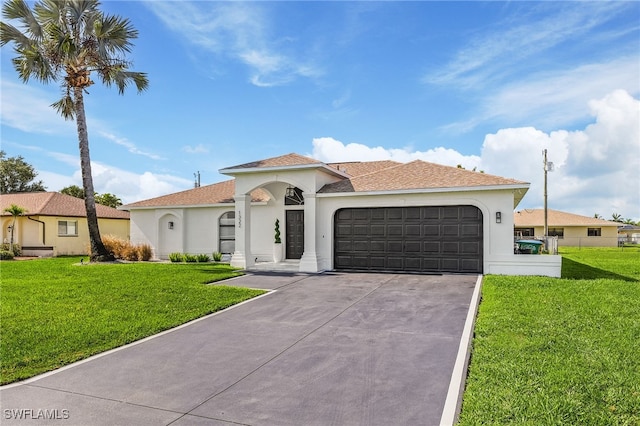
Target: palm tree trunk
<point>98,251</point>
<point>13,229</point>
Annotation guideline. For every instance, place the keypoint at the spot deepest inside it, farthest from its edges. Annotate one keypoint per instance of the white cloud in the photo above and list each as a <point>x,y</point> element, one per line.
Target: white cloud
<point>332,150</point>
<point>28,109</point>
<point>499,51</point>
<point>130,186</point>
<point>241,31</point>
<point>555,98</point>
<point>198,149</point>
<point>597,170</point>
<point>131,147</point>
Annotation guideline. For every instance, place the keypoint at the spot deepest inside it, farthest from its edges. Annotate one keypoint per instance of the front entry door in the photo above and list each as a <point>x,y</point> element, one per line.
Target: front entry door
<point>295,234</point>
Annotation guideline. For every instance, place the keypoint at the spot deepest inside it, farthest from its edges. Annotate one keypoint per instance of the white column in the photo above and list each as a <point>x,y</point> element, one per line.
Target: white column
<point>242,257</point>
<point>309,260</point>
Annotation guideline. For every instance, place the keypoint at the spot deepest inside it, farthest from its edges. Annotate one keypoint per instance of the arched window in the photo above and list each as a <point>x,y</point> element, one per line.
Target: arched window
<point>227,232</point>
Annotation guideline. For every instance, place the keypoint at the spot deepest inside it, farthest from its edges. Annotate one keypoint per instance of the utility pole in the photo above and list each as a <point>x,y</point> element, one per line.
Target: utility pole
<point>548,167</point>
<point>197,180</point>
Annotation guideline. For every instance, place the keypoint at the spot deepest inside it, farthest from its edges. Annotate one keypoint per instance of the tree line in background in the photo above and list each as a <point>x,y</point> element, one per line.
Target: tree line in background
<point>615,217</point>
<point>16,175</point>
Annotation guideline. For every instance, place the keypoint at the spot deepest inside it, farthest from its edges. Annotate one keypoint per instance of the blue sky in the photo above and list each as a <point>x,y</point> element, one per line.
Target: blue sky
<point>482,84</point>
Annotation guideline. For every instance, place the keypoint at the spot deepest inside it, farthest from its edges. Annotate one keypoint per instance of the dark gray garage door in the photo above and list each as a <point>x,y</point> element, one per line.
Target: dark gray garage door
<point>413,239</point>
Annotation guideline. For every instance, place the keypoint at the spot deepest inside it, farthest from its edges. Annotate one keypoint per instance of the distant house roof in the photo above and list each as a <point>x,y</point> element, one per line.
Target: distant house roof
<point>217,193</point>
<point>366,176</point>
<point>535,217</point>
<point>56,204</point>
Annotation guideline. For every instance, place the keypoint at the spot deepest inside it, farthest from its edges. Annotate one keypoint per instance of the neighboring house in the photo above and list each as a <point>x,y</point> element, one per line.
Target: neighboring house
<point>377,216</point>
<point>55,224</point>
<point>571,229</point>
<point>629,234</point>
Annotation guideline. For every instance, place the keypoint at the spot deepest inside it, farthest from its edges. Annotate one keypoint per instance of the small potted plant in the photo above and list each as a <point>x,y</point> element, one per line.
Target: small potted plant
<point>277,244</point>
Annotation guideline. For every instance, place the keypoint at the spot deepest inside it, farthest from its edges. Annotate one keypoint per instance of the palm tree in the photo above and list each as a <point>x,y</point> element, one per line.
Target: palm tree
<point>616,217</point>
<point>15,211</point>
<point>64,41</point>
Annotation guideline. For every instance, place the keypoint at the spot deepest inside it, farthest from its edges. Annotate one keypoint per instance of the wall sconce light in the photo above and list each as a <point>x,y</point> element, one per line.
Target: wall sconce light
<point>498,217</point>
<point>170,225</point>
<point>290,192</point>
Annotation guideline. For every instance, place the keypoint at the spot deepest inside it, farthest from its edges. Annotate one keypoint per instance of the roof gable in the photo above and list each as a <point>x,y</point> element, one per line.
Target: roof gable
<point>56,204</point>
<point>281,161</point>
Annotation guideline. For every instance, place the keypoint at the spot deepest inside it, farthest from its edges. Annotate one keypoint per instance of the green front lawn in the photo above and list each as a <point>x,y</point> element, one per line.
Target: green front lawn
<point>559,351</point>
<point>54,312</point>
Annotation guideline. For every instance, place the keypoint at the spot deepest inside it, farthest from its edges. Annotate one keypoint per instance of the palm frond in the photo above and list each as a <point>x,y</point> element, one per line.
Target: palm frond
<point>113,35</point>
<point>65,107</point>
<point>119,76</point>
<point>31,63</point>
<point>9,33</point>
<point>50,13</point>
<point>19,10</point>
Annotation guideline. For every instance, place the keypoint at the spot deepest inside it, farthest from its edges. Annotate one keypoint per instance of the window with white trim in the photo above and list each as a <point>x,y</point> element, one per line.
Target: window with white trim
<point>67,228</point>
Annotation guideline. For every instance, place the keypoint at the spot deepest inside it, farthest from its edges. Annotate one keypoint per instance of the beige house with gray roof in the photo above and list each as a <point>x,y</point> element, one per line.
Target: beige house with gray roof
<point>374,216</point>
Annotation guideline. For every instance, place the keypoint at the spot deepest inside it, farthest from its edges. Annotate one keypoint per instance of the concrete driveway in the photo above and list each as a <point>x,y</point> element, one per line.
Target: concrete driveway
<point>327,349</point>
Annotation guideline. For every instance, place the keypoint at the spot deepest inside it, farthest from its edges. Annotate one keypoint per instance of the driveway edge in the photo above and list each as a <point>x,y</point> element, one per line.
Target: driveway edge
<point>453,403</point>
<point>128,345</point>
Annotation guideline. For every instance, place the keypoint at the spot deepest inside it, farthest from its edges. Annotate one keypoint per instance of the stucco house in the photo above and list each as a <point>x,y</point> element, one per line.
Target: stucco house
<point>571,229</point>
<point>56,224</point>
<point>378,216</point>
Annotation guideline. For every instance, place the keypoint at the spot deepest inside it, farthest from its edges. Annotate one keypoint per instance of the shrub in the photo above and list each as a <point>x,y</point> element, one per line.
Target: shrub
<point>144,252</point>
<point>130,253</point>
<point>123,249</point>
<point>190,258</point>
<point>217,256</point>
<point>203,258</point>
<point>115,245</point>
<point>17,250</point>
<point>6,255</point>
<point>176,257</point>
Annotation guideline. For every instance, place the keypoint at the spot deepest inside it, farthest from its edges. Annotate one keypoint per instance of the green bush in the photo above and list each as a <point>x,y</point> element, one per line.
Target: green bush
<point>17,250</point>
<point>176,257</point>
<point>6,255</point>
<point>190,258</point>
<point>204,258</point>
<point>217,256</point>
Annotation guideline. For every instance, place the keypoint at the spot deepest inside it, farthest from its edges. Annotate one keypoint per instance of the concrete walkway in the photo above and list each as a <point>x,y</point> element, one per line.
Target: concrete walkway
<point>327,349</point>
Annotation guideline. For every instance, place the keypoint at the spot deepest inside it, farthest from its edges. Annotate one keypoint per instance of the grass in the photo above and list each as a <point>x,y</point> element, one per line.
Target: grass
<point>54,312</point>
<point>559,351</point>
